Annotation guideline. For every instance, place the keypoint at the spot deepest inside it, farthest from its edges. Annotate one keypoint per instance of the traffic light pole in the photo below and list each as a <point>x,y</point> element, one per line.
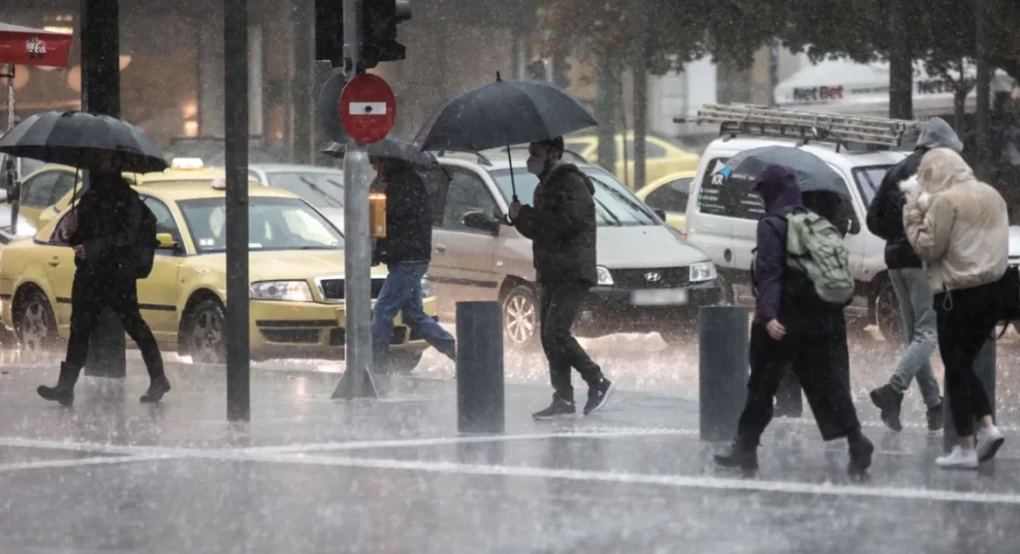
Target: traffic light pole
<point>357,381</point>
<point>235,55</point>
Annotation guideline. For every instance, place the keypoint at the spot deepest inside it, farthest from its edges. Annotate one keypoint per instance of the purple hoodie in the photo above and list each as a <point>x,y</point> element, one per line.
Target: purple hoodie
<point>777,186</point>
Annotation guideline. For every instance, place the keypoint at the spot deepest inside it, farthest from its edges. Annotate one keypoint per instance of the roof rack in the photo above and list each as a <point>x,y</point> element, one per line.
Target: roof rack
<point>749,119</point>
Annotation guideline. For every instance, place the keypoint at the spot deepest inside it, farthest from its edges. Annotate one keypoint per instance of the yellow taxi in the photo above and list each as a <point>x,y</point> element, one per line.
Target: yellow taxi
<point>183,170</point>
<point>296,271</point>
<point>662,156</point>
<point>669,196</point>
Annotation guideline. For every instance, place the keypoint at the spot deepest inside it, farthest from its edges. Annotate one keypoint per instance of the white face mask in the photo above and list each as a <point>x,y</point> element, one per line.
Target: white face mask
<point>536,165</point>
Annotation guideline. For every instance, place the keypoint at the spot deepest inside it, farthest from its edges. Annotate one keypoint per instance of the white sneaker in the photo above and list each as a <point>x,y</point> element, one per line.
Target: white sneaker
<point>958,459</point>
<point>989,440</point>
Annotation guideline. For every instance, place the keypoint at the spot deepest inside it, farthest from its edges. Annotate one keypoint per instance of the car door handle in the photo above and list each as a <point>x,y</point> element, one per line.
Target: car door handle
<point>441,248</point>
<point>54,262</point>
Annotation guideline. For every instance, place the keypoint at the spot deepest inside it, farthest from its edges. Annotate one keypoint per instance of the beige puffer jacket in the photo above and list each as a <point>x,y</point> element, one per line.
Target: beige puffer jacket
<point>957,224</point>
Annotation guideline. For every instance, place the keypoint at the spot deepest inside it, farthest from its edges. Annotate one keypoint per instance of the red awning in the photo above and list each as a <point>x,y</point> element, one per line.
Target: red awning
<point>28,46</point>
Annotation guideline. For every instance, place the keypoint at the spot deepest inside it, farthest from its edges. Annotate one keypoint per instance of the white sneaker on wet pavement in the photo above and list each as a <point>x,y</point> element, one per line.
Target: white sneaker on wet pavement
<point>989,440</point>
<point>959,458</point>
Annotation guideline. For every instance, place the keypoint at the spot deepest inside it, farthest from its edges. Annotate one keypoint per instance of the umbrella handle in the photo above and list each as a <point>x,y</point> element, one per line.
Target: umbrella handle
<point>513,184</point>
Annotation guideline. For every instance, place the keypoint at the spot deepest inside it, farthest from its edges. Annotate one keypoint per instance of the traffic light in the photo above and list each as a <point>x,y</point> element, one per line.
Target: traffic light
<point>379,20</point>
<point>329,31</point>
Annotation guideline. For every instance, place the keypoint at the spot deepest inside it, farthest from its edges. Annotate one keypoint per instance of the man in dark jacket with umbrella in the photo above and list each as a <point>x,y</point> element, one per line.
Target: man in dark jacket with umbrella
<point>104,231</point>
<point>562,228</point>
<point>793,328</point>
<point>406,250</point>
<point>913,291</point>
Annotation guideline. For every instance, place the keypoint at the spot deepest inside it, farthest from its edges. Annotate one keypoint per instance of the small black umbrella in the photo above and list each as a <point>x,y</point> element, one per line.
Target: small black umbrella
<point>393,148</point>
<point>813,174</point>
<point>504,113</point>
<point>78,139</point>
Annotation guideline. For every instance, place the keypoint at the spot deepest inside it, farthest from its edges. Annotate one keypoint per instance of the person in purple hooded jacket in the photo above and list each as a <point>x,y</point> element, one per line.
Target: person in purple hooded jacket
<point>793,328</point>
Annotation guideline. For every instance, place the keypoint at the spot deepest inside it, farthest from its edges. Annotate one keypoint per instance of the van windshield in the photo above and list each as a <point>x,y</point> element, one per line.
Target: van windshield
<point>615,204</point>
<point>869,179</point>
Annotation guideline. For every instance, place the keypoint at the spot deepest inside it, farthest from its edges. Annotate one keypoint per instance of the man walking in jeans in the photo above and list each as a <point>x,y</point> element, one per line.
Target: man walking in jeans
<point>913,292</point>
<point>406,250</point>
<point>561,226</point>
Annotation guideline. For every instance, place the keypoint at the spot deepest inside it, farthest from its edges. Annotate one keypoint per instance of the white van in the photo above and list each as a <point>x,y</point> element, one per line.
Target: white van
<point>723,223</point>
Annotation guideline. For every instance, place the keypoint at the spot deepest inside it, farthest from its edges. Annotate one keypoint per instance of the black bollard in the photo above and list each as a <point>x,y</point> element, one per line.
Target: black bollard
<point>724,370</point>
<point>480,395</point>
<point>984,367</point>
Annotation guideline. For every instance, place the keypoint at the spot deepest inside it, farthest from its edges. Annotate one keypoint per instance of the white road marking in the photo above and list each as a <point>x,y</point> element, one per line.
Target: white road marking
<point>442,441</point>
<point>78,462</point>
<point>677,481</point>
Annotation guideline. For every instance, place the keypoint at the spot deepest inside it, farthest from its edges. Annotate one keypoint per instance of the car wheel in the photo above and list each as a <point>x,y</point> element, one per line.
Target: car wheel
<point>35,324</point>
<point>203,334</point>
<point>887,314</point>
<point>521,318</point>
<point>403,361</point>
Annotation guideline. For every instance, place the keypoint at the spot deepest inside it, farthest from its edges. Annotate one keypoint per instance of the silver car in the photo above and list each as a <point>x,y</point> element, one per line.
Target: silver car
<point>650,279</point>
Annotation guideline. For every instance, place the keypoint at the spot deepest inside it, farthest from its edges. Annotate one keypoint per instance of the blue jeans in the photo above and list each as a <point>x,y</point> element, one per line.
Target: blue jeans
<point>917,308</point>
<point>401,293</point>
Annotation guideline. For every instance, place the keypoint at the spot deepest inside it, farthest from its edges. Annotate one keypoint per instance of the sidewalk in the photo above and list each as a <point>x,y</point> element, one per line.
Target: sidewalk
<point>309,474</point>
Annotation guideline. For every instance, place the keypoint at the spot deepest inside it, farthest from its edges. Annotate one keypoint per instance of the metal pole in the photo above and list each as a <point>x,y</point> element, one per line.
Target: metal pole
<point>235,54</point>
<point>723,371</point>
<point>480,396</point>
<point>100,93</point>
<point>357,381</point>
<point>984,93</point>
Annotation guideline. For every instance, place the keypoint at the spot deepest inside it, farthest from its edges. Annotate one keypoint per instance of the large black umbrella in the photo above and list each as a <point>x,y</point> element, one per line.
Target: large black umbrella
<point>813,174</point>
<point>80,139</point>
<point>501,114</point>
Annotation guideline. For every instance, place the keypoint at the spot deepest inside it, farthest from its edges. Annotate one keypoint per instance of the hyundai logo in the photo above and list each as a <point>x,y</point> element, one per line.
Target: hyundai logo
<point>653,276</point>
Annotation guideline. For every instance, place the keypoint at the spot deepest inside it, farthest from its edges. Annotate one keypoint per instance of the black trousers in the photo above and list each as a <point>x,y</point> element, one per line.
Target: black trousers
<point>560,302</point>
<point>92,292</point>
<point>965,321</point>
<point>821,364</point>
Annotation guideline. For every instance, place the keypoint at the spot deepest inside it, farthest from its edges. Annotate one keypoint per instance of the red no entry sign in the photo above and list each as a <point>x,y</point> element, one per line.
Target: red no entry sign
<point>368,108</point>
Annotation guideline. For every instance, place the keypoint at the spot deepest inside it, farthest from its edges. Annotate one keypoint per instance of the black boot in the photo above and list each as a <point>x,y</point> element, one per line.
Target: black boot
<point>64,391</point>
<point>861,451</point>
<point>159,386</point>
<point>743,453</point>
<point>889,402</point>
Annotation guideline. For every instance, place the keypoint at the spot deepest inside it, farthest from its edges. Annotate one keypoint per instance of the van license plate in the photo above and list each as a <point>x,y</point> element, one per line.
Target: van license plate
<point>671,297</point>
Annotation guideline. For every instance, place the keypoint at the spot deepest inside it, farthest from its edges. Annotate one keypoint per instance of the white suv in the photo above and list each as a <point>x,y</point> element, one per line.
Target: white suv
<point>722,222</point>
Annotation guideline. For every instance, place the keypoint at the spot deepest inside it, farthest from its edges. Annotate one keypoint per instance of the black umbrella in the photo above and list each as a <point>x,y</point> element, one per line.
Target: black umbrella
<point>392,148</point>
<point>79,139</point>
<point>504,113</point>
<point>813,174</point>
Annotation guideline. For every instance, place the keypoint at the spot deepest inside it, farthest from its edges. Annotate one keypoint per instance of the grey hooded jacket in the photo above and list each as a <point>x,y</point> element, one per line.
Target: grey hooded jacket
<point>885,215</point>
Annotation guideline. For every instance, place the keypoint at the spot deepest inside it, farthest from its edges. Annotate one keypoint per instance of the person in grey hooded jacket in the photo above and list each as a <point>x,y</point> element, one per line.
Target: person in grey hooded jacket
<point>913,292</point>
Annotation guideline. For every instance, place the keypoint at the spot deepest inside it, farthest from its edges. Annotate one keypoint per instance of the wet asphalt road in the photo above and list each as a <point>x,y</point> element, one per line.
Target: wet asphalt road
<point>312,475</point>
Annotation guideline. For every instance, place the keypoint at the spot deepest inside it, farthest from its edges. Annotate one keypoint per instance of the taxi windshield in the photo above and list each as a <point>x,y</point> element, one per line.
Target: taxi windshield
<point>273,224</point>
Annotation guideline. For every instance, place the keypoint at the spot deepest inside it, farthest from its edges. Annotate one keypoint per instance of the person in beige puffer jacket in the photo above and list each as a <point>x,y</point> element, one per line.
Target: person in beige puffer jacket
<point>960,229</point>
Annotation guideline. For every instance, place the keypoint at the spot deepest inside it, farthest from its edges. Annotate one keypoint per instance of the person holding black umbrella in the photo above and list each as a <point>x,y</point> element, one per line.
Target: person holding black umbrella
<point>406,250</point>
<point>561,226</point>
<point>114,236</point>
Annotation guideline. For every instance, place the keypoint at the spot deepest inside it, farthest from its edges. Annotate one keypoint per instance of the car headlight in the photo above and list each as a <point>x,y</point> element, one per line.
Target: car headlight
<point>290,291</point>
<point>426,288</point>
<point>605,278</point>
<point>704,271</point>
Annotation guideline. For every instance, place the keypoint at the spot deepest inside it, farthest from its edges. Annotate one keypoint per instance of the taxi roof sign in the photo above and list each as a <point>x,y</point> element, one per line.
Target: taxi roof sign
<point>187,163</point>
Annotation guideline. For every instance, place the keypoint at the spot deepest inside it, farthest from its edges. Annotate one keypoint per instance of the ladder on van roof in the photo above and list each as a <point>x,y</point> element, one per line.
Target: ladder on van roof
<point>749,119</point>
